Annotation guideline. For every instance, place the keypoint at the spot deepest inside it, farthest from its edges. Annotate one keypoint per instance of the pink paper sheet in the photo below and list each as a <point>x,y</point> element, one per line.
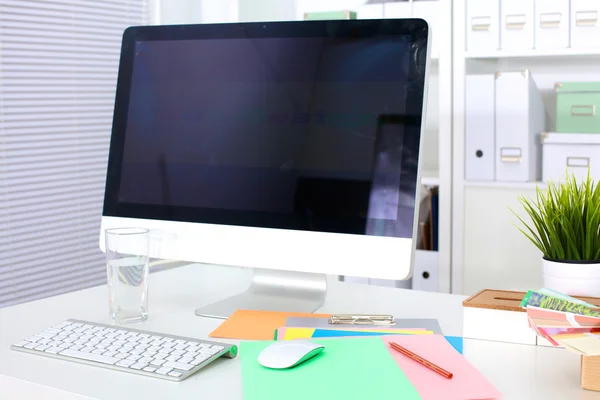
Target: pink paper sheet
<point>466,384</point>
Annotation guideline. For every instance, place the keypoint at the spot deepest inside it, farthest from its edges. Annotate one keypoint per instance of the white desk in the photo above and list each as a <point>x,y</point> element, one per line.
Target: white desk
<point>518,371</point>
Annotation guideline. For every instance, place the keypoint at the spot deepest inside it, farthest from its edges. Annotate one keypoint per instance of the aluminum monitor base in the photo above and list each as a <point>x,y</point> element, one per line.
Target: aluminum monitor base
<point>273,290</point>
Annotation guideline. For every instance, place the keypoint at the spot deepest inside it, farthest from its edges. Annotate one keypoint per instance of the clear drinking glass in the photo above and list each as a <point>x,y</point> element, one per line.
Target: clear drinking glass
<point>127,257</point>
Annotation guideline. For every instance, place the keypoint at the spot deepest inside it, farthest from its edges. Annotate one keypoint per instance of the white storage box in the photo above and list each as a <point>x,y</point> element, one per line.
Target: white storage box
<point>399,9</point>
<point>426,271</point>
<point>516,24</point>
<point>483,32</point>
<point>480,128</point>
<point>520,119</point>
<point>552,24</point>
<point>585,23</point>
<point>496,315</point>
<point>370,11</point>
<point>572,152</point>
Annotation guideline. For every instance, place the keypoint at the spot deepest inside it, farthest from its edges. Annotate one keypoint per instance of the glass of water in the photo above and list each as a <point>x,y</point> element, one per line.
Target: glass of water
<point>127,257</point>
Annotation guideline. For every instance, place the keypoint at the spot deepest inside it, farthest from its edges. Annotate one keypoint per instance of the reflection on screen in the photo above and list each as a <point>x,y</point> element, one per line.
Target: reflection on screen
<point>304,131</point>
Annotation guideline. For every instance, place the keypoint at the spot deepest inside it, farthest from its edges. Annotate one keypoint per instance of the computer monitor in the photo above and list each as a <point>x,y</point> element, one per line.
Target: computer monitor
<point>287,147</point>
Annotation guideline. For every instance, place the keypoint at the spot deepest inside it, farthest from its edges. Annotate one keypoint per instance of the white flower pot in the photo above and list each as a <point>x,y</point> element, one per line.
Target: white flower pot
<point>572,278</point>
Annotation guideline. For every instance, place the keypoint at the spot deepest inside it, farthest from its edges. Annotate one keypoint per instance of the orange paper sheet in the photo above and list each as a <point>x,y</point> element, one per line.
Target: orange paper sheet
<point>256,325</point>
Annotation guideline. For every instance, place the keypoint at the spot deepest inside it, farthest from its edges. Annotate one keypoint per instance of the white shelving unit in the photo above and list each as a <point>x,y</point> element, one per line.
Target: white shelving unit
<point>488,249</point>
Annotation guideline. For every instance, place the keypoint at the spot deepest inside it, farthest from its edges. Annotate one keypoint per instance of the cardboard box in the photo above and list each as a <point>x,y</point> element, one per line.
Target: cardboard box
<point>483,30</point>
<point>570,152</point>
<point>496,315</point>
<point>590,373</point>
<point>520,119</point>
<point>577,107</point>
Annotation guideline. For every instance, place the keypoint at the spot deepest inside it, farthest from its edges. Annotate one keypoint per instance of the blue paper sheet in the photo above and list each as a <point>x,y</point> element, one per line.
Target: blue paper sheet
<point>455,341</point>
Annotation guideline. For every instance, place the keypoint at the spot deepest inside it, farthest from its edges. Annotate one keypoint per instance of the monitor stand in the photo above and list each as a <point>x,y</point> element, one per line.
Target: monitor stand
<point>274,290</point>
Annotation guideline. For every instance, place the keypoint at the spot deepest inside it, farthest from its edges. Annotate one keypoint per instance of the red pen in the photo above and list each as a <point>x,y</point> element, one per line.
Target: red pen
<point>421,360</point>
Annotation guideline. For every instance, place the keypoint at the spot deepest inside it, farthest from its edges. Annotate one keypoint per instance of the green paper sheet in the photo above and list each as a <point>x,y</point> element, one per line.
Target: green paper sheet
<point>350,368</point>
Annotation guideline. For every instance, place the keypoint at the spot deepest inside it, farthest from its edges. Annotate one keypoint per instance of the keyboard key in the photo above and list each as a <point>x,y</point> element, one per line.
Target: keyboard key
<point>181,346</point>
<point>150,369</point>
<point>218,348</point>
<point>176,374</point>
<point>178,353</point>
<point>47,335</point>
<point>173,358</point>
<point>31,345</point>
<point>125,363</point>
<point>163,370</point>
<point>133,357</point>
<point>75,347</point>
<point>157,362</point>
<point>98,351</point>
<point>110,353</point>
<point>41,347</point>
<point>139,365</point>
<point>34,339</point>
<point>22,343</point>
<point>200,360</point>
<point>53,350</point>
<point>122,355</point>
<point>178,365</point>
<point>89,356</point>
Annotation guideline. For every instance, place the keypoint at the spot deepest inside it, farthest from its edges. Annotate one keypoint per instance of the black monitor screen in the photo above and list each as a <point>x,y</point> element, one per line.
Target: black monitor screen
<point>307,131</point>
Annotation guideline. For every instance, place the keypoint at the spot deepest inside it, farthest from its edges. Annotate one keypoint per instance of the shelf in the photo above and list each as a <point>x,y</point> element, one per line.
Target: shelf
<point>533,53</point>
<point>505,185</point>
<point>430,181</point>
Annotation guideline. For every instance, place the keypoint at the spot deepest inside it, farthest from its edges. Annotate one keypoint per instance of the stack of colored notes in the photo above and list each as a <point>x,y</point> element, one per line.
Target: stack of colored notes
<point>409,360</point>
<point>564,321</point>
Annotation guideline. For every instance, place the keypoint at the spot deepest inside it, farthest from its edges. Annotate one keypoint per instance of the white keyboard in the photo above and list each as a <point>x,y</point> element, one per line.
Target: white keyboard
<point>125,349</point>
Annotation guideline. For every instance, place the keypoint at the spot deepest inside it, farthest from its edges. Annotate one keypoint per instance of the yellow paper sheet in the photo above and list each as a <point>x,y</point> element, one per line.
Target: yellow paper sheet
<point>306,333</point>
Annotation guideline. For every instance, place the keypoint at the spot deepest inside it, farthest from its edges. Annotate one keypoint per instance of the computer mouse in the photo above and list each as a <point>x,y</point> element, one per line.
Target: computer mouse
<point>288,354</point>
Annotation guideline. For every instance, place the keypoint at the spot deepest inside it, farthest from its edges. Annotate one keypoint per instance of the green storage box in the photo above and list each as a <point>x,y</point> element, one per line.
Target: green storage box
<point>578,107</point>
<point>328,15</point>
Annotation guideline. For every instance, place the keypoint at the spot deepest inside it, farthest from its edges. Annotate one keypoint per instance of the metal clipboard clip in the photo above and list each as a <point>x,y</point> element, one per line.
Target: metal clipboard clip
<point>358,319</point>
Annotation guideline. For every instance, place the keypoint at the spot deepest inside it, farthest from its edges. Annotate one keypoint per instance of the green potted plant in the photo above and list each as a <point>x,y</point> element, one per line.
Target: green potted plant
<point>565,226</point>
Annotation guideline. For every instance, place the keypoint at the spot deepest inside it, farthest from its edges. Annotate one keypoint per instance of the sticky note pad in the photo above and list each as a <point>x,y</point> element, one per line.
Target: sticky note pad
<point>336,373</point>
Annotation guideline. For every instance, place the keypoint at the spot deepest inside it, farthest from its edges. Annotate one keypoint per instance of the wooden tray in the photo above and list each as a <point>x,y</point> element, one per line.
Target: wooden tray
<point>505,300</point>
<point>508,300</point>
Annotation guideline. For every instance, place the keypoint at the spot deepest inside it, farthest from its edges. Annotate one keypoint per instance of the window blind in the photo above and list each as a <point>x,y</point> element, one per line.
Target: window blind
<point>58,71</point>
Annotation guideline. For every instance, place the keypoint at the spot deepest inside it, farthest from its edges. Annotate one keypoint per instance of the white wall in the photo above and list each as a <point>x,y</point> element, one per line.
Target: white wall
<point>266,10</point>
<point>498,255</point>
<point>180,11</point>
<point>198,11</point>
